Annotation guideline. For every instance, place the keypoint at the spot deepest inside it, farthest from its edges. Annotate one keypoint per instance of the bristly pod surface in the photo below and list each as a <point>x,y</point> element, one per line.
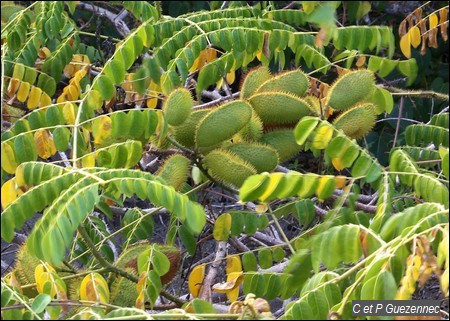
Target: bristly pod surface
<point>26,263</point>
<point>222,123</point>
<point>294,82</point>
<point>175,170</point>
<point>263,157</point>
<point>280,107</point>
<point>351,88</point>
<point>227,167</point>
<point>254,79</point>
<point>185,133</point>
<point>283,141</point>
<point>178,106</point>
<point>357,121</point>
<point>251,132</point>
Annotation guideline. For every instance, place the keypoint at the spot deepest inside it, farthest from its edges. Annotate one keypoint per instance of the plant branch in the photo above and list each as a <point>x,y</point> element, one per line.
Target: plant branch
<point>416,93</point>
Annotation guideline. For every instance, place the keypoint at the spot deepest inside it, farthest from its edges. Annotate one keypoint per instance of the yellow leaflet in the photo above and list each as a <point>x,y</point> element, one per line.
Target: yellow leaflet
<point>34,98</point>
<point>415,38</point>
<point>101,129</point>
<point>9,163</point>
<point>44,52</point>
<point>433,20</point>
<point>233,264</point>
<point>94,288</point>
<point>361,61</point>
<point>274,180</point>
<point>336,161</point>
<point>340,181</point>
<point>196,279</point>
<point>140,287</point>
<point>154,88</point>
<point>8,193</point>
<point>325,188</point>
<point>222,227</point>
<point>22,93</point>
<point>308,6</point>
<point>45,100</point>
<point>323,136</point>
<point>69,113</point>
<point>13,86</point>
<point>88,161</point>
<point>233,281</point>
<point>44,144</point>
<point>42,275</point>
<point>405,45</point>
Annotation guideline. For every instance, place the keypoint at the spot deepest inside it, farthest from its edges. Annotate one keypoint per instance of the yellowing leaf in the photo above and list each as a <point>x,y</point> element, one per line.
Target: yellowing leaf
<point>323,136</point>
<point>13,86</point>
<point>34,97</point>
<point>9,163</point>
<point>88,161</point>
<point>42,275</point>
<point>233,264</point>
<point>433,20</point>
<point>69,113</point>
<point>325,187</point>
<point>45,100</point>
<point>261,208</point>
<point>22,93</point>
<point>415,37</point>
<point>231,77</point>
<point>8,192</point>
<point>222,227</point>
<point>274,180</point>
<point>196,279</point>
<point>340,181</point>
<point>233,281</point>
<point>361,61</point>
<point>101,129</point>
<point>44,143</point>
<point>336,161</point>
<point>154,88</point>
<point>94,288</point>
<point>405,45</point>
<point>44,52</point>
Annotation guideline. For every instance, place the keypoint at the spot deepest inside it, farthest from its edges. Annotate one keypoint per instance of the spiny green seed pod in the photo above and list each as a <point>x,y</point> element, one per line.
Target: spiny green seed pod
<point>350,89</point>
<point>283,141</point>
<point>72,284</point>
<point>253,131</point>
<point>178,106</point>
<point>185,133</point>
<point>280,107</point>
<point>24,270</point>
<point>255,78</point>
<point>263,157</point>
<point>175,170</point>
<point>228,167</point>
<point>123,291</point>
<point>294,82</point>
<point>358,121</point>
<point>222,123</point>
<point>314,103</point>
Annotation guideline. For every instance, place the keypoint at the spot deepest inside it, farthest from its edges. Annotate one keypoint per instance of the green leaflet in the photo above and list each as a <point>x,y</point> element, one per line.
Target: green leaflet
<point>76,198</point>
<point>428,214</point>
<point>338,244</point>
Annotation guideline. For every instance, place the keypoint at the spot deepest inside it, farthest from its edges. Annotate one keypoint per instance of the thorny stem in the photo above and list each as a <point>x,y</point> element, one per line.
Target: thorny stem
<point>400,109</point>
